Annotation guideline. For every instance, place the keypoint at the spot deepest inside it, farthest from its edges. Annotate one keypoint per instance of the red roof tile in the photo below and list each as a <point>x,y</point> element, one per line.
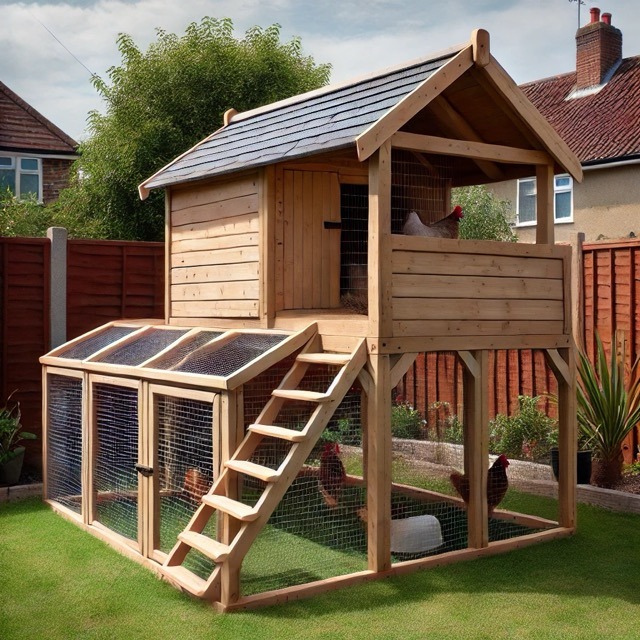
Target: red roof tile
<point>22,127</point>
<point>599,127</point>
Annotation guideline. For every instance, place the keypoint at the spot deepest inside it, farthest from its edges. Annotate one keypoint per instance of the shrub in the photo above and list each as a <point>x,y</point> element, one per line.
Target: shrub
<point>406,422</point>
<point>530,433</point>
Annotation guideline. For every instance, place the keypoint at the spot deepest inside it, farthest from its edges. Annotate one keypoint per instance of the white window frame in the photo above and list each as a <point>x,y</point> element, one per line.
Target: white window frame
<point>557,190</point>
<point>16,165</point>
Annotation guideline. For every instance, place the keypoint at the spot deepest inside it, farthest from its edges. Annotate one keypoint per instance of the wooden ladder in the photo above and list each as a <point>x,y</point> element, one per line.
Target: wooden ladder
<point>245,522</point>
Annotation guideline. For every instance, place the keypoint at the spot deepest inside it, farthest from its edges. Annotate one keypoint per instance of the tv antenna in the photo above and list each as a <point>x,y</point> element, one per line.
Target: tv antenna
<point>579,3</point>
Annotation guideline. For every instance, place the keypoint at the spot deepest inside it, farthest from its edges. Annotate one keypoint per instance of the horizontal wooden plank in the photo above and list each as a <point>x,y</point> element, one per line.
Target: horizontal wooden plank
<point>193,196</point>
<point>475,328</point>
<point>461,309</point>
<point>215,273</point>
<point>215,309</point>
<point>464,286</point>
<point>246,223</point>
<point>217,256</point>
<point>475,265</point>
<point>401,242</point>
<point>211,244</point>
<point>421,344</point>
<point>240,290</point>
<point>216,210</point>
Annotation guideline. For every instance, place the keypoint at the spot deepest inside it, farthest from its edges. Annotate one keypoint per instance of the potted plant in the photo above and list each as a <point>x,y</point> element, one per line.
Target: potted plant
<point>11,434</point>
<point>608,408</point>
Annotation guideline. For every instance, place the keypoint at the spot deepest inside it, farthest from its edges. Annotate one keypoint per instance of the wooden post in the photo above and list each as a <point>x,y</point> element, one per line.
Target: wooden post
<point>266,215</point>
<point>476,443</point>
<point>229,527</point>
<point>544,204</point>
<point>562,362</point>
<point>58,287</point>
<point>577,290</point>
<point>379,465</point>
<point>380,312</point>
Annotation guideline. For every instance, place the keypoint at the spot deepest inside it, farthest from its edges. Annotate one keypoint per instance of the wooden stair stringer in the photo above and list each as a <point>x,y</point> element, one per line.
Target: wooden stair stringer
<point>275,489</point>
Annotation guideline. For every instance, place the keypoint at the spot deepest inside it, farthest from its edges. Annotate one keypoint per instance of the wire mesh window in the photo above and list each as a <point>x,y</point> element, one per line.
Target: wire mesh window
<point>85,348</point>
<point>419,184</point>
<point>184,469</point>
<point>64,441</point>
<point>115,478</point>
<point>144,347</point>
<point>181,353</point>
<point>231,356</point>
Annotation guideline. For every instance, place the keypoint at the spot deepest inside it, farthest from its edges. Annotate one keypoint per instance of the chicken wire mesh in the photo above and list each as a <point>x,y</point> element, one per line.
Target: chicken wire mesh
<point>94,343</point>
<point>144,347</point>
<point>64,441</point>
<point>184,470</point>
<point>231,356</point>
<point>115,479</point>
<point>176,356</point>
<point>318,529</point>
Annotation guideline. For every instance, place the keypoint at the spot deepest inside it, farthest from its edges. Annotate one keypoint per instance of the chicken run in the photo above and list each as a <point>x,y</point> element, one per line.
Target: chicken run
<point>242,446</point>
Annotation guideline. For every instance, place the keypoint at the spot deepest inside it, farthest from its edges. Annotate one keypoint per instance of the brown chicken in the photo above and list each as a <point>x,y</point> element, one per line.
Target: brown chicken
<point>445,228</point>
<point>497,483</point>
<point>196,484</point>
<point>332,475</point>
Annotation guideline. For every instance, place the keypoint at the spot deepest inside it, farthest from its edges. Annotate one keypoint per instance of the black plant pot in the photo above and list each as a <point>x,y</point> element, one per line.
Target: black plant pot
<point>584,465</point>
<point>11,469</point>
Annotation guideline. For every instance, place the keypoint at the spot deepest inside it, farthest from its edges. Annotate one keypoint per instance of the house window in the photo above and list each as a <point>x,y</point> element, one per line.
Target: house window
<point>562,201</point>
<point>21,175</point>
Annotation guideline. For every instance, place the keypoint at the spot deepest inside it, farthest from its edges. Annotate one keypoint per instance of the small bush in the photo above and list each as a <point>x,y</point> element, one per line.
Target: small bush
<point>406,422</point>
<point>528,434</point>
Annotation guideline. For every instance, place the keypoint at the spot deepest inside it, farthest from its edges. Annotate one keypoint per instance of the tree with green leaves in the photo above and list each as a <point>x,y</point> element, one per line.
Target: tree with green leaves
<point>162,101</point>
<point>486,217</point>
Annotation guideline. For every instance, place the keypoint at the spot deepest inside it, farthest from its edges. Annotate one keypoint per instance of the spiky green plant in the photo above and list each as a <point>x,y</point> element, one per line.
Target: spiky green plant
<point>608,404</point>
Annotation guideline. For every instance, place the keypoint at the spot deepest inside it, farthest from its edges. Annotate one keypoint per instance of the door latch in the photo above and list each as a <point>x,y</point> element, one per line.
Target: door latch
<point>144,470</point>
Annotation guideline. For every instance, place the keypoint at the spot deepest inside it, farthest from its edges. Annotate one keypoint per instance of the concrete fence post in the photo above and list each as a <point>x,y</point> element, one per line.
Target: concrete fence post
<point>58,287</point>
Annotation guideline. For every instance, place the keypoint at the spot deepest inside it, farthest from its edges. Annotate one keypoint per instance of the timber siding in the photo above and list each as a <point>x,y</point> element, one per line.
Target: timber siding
<point>215,251</point>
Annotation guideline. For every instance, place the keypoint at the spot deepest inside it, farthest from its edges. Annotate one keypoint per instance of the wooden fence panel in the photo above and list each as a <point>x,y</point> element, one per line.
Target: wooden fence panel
<point>24,326</point>
<point>112,280</point>
<point>611,281</point>
<point>106,281</point>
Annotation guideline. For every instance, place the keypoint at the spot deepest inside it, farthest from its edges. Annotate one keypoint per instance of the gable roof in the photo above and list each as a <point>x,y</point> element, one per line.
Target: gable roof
<point>323,120</point>
<point>462,94</point>
<point>22,128</point>
<point>598,127</point>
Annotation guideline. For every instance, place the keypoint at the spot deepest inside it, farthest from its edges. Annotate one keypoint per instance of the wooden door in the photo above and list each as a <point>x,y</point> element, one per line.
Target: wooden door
<point>310,237</point>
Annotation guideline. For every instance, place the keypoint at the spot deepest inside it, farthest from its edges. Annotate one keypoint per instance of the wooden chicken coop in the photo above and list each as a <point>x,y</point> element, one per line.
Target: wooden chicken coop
<point>294,306</point>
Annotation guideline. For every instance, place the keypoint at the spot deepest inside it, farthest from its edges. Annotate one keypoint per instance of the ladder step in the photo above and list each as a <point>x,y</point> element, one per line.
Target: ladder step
<point>234,508</point>
<point>278,432</point>
<point>253,470</point>
<point>213,549</point>
<point>185,579</point>
<point>338,359</point>
<point>299,394</point>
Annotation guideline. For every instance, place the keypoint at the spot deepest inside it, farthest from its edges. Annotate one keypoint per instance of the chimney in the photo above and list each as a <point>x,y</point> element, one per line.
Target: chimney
<point>599,50</point>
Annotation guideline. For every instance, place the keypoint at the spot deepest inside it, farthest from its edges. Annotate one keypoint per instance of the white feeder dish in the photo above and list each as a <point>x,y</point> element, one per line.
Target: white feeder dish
<point>416,534</point>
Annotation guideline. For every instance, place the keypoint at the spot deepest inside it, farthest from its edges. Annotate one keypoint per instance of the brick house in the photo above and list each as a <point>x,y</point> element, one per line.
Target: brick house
<point>35,155</point>
<point>596,110</point>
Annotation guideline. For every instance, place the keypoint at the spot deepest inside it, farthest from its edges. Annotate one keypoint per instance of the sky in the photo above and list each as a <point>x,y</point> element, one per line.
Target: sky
<point>51,47</point>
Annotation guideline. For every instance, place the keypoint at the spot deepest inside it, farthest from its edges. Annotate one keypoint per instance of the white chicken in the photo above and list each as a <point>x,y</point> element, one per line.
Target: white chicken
<point>445,228</point>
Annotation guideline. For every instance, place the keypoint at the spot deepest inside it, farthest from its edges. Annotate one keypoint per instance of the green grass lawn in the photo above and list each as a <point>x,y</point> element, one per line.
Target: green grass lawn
<point>59,582</point>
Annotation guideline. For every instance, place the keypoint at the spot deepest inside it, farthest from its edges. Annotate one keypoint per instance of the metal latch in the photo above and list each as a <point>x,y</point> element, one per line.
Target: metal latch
<point>144,470</point>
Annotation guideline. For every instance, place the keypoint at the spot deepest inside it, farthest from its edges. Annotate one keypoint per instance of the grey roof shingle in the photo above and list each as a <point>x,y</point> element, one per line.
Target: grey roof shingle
<point>324,120</point>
